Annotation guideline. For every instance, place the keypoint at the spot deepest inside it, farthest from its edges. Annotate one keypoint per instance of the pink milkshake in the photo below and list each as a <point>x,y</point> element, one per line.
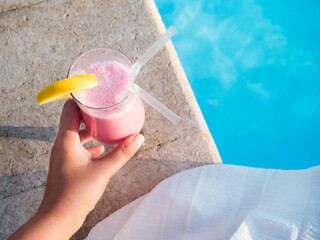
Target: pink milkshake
<point>107,121</point>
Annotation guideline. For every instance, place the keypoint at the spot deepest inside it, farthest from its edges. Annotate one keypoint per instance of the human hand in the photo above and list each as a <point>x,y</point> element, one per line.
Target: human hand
<point>77,177</point>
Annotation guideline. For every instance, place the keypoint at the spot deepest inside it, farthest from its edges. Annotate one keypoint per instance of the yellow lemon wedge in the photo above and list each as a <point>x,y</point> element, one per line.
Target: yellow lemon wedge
<point>63,88</point>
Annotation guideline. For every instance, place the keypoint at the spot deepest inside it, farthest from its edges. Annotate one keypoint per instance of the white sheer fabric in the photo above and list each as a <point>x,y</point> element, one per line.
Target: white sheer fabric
<point>222,202</point>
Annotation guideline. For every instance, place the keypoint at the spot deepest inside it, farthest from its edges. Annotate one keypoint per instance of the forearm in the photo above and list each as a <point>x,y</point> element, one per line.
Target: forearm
<point>48,226</point>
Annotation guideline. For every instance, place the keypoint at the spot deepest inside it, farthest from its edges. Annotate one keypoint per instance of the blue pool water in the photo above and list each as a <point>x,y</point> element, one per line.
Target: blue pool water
<point>254,67</point>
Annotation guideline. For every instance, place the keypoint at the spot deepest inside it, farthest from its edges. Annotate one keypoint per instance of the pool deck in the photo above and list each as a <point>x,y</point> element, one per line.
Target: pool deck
<point>38,42</point>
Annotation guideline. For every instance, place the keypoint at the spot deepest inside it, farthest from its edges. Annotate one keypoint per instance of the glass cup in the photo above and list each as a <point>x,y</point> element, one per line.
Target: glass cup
<point>109,125</point>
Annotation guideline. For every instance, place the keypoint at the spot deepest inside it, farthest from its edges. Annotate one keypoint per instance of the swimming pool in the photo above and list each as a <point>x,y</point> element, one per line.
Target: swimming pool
<point>254,67</point>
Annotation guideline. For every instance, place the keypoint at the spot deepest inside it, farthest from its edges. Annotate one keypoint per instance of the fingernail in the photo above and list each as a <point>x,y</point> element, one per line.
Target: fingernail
<point>71,101</point>
<point>138,141</point>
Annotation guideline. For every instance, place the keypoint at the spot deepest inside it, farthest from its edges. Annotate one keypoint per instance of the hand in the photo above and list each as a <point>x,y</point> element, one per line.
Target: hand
<point>77,177</point>
<point>77,180</point>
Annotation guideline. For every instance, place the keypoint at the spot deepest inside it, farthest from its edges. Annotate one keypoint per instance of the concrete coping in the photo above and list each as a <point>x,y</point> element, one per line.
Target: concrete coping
<point>39,40</point>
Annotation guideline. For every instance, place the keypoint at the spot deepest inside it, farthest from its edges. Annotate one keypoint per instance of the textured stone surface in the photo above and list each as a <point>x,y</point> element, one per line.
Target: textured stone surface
<point>38,42</point>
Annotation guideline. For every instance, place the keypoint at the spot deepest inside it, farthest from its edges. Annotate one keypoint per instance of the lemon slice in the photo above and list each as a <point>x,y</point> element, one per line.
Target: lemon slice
<point>63,88</point>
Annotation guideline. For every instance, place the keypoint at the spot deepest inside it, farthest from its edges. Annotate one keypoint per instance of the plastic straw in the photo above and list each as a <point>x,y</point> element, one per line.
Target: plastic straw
<point>132,87</point>
<point>156,46</point>
<point>166,112</point>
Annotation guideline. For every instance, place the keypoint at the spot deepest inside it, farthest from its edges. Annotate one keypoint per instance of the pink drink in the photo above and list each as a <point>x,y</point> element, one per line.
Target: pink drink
<point>112,78</point>
<point>107,121</point>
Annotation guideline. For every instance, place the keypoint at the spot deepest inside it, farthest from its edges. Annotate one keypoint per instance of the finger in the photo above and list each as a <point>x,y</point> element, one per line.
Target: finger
<point>96,151</point>
<point>84,136</point>
<point>113,161</point>
<point>70,119</point>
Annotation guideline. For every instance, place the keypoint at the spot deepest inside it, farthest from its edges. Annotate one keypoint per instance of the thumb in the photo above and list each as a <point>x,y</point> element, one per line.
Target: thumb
<point>70,119</point>
<point>118,157</point>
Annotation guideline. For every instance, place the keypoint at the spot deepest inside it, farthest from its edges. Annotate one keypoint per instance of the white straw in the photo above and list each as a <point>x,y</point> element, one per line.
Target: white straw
<point>132,87</point>
<point>166,112</point>
<point>156,46</point>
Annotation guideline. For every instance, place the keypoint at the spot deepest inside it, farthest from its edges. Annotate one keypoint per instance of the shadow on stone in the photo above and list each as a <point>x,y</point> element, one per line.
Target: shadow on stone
<point>20,197</point>
<point>47,134</point>
<point>14,185</point>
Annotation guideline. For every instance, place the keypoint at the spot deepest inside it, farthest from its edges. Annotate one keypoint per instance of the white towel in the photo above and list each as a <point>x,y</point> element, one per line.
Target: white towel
<point>222,202</point>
